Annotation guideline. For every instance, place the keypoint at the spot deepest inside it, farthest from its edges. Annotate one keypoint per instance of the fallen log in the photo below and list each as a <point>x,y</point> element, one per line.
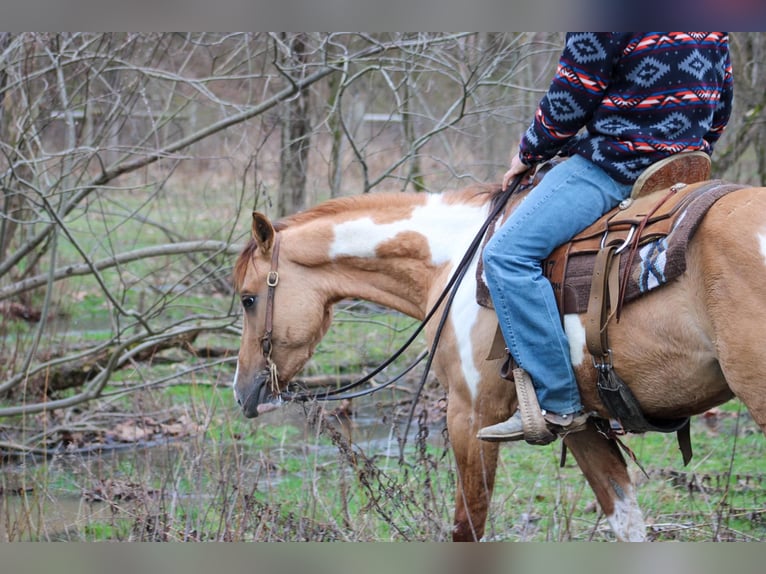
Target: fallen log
<point>78,372</point>
<point>13,310</point>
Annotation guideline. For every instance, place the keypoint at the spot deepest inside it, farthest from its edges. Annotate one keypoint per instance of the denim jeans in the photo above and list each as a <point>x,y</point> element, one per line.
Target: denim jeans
<point>570,197</point>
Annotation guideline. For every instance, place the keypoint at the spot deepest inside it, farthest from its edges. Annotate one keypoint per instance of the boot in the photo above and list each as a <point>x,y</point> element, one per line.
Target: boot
<point>513,428</point>
<point>507,430</point>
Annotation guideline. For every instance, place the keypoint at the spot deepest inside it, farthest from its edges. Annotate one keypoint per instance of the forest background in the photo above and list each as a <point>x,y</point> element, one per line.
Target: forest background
<point>130,163</point>
<point>101,132</point>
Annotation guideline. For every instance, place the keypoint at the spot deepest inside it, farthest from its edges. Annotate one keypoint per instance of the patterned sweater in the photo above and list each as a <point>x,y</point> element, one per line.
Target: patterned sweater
<point>639,97</point>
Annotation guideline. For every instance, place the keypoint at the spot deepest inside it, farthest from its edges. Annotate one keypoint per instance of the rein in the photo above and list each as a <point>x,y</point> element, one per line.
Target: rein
<point>450,290</point>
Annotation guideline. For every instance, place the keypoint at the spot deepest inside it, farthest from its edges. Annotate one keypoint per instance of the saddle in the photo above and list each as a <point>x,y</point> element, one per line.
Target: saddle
<point>637,247</point>
<point>648,216</point>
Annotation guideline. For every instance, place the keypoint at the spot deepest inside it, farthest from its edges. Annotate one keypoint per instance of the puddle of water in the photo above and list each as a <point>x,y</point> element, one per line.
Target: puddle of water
<point>58,498</point>
<point>26,517</point>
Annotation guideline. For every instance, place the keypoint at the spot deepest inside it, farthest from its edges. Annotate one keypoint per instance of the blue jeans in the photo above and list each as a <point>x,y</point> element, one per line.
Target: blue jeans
<point>571,196</point>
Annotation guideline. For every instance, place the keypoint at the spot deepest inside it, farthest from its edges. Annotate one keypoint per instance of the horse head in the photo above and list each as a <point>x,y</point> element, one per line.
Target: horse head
<point>284,318</point>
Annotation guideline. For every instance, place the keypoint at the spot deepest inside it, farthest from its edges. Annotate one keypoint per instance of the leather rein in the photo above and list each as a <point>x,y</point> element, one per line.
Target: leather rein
<point>450,290</point>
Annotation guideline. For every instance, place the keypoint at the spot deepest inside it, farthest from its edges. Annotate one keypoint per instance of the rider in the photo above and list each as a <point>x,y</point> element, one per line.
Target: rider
<point>640,97</point>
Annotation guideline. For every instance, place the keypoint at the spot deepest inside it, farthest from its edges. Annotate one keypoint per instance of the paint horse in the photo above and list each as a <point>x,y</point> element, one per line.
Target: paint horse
<point>684,348</point>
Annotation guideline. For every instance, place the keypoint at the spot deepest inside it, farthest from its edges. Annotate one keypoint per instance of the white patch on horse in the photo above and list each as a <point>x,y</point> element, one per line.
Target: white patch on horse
<point>762,241</point>
<point>627,520</point>
<point>465,311</point>
<point>448,228</point>
<point>575,331</point>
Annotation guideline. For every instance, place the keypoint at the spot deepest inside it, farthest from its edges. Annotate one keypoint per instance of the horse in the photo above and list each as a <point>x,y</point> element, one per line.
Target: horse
<point>683,348</point>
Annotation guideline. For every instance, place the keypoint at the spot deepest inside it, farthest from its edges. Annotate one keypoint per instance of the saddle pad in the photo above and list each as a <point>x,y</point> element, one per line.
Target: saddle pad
<point>655,264</point>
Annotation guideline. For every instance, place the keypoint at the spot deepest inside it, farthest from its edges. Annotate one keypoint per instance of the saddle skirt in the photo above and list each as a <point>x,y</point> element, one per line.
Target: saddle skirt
<point>667,219</point>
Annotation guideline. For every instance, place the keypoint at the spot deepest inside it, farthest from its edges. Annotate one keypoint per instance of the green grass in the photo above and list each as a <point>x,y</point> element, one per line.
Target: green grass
<point>277,481</point>
<point>719,496</point>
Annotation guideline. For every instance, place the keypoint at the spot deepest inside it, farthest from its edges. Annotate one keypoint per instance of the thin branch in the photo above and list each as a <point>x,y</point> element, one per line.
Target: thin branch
<point>120,259</point>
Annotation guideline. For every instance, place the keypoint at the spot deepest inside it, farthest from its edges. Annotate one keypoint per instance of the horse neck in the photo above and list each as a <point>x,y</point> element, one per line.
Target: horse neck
<point>398,252</point>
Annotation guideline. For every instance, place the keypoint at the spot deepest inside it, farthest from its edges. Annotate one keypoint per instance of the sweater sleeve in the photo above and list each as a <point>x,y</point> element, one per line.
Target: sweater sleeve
<point>723,110</point>
<point>582,76</point>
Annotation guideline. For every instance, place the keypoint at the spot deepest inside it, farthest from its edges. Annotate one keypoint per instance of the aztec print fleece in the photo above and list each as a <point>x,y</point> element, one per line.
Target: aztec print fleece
<point>641,97</point>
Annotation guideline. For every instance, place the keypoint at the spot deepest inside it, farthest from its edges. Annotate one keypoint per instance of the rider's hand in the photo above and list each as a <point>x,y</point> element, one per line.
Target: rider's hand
<point>517,168</point>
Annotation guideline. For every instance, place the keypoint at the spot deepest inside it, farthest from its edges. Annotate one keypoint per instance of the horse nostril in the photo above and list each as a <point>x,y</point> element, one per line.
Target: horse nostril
<point>239,401</point>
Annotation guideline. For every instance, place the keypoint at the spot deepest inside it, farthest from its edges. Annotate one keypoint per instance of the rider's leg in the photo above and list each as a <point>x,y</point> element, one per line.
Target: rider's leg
<point>570,197</point>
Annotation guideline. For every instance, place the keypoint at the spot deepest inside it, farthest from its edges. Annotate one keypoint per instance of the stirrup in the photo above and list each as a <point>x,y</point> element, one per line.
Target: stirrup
<point>536,429</point>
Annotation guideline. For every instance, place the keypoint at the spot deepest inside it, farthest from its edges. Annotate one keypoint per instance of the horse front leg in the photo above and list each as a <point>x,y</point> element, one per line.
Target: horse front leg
<point>476,465</point>
<point>605,470</point>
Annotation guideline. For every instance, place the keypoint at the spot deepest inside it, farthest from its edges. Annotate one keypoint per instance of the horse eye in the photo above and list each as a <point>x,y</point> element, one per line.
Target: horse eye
<point>248,301</point>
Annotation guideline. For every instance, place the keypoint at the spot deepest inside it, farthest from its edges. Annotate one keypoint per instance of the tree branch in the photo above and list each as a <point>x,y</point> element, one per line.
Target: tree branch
<point>120,259</point>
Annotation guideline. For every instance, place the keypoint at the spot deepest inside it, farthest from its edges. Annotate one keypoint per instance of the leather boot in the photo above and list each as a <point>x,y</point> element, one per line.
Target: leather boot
<point>507,430</point>
<point>513,429</point>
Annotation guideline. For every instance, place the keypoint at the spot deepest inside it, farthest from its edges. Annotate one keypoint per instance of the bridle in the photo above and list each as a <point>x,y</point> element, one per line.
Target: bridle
<point>450,289</point>
<point>272,280</point>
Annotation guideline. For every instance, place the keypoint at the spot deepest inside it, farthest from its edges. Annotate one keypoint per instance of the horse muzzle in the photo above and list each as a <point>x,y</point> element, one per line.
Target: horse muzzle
<point>260,399</point>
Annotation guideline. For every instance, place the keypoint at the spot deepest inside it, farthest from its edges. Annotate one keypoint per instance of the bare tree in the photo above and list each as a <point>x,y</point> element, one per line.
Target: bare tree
<point>295,121</point>
<point>99,128</point>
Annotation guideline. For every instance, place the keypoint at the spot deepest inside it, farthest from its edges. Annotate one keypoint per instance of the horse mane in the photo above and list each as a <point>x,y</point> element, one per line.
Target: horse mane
<point>347,204</point>
<point>380,200</point>
<point>476,193</point>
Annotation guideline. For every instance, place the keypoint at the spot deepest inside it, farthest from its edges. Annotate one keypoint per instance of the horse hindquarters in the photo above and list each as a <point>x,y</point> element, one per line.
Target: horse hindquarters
<point>715,314</point>
<point>730,251</point>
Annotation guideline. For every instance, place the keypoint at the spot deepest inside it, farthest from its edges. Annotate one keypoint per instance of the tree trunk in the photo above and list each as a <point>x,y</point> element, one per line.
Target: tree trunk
<point>10,201</point>
<point>334,120</point>
<point>14,207</point>
<point>414,172</point>
<point>296,135</point>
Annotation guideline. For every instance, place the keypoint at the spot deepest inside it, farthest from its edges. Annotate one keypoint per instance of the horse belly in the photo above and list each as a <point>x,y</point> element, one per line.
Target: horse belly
<point>663,349</point>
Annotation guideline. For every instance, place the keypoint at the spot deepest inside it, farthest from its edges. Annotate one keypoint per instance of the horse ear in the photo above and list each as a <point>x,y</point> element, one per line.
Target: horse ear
<point>263,231</point>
